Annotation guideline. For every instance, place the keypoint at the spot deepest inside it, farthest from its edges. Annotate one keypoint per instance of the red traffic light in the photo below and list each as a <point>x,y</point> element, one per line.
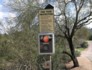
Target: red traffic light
<point>46,39</point>
<point>46,43</point>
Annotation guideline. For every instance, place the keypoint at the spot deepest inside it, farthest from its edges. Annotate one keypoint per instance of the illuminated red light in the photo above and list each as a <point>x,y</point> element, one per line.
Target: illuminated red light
<point>46,39</point>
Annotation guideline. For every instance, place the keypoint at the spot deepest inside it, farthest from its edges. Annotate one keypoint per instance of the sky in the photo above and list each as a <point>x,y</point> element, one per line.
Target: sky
<point>4,14</point>
<point>4,11</point>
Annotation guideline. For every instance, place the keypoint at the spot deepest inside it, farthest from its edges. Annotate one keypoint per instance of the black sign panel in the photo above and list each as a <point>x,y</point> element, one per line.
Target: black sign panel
<point>46,43</point>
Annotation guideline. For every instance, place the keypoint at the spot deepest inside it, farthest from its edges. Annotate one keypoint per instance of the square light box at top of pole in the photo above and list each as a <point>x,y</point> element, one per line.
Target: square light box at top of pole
<point>46,19</point>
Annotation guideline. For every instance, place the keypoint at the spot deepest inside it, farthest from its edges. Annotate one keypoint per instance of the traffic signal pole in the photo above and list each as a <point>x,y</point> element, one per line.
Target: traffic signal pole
<point>50,62</point>
<point>46,35</point>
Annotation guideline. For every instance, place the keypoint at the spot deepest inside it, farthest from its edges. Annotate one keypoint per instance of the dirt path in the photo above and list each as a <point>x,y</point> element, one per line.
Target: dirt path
<point>88,52</point>
<point>85,59</point>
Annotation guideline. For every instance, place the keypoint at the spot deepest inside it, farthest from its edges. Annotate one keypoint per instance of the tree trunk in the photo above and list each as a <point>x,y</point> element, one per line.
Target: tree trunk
<point>75,61</point>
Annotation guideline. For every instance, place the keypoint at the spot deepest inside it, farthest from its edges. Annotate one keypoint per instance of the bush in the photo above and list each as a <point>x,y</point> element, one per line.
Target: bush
<point>84,45</point>
<point>77,53</point>
<point>90,37</point>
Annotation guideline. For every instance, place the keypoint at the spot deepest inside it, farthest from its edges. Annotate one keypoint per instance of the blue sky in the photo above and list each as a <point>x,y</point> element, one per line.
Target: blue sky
<point>4,10</point>
<point>0,1</point>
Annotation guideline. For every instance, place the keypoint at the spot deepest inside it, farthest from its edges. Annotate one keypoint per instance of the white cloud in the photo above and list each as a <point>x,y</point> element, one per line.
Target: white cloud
<point>1,15</point>
<point>12,15</point>
<point>6,26</point>
<point>7,14</point>
<point>90,25</point>
<point>41,1</point>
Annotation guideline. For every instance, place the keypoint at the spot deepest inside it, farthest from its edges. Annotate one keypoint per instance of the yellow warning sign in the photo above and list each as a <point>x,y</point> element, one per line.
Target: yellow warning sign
<point>46,20</point>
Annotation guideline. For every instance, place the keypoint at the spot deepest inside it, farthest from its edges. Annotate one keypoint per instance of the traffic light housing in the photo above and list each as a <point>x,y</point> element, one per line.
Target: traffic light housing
<point>46,43</point>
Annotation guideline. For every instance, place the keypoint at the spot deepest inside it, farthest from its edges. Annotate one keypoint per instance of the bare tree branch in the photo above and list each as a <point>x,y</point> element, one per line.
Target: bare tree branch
<point>66,26</point>
<point>80,6</point>
<point>77,14</point>
<point>75,23</point>
<point>64,32</point>
<point>84,18</point>
<point>84,23</point>
<point>68,54</point>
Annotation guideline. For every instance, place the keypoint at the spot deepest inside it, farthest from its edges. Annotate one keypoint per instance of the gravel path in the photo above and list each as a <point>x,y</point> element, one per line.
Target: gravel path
<point>88,52</point>
<point>85,59</point>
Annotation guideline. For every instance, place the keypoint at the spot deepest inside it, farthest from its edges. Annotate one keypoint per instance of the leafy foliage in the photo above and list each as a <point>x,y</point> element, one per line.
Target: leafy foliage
<point>84,45</point>
<point>90,37</point>
<point>90,34</point>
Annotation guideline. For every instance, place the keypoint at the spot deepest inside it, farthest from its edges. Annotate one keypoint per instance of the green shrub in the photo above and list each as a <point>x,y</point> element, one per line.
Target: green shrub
<point>90,37</point>
<point>77,53</point>
<point>84,45</point>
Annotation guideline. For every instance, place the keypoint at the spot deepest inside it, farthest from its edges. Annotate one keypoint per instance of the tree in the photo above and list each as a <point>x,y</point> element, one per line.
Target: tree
<point>71,20</point>
<point>24,38</point>
<point>83,33</point>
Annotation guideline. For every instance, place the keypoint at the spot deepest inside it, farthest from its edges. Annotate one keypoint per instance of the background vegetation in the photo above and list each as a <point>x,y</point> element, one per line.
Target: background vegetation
<point>19,48</point>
